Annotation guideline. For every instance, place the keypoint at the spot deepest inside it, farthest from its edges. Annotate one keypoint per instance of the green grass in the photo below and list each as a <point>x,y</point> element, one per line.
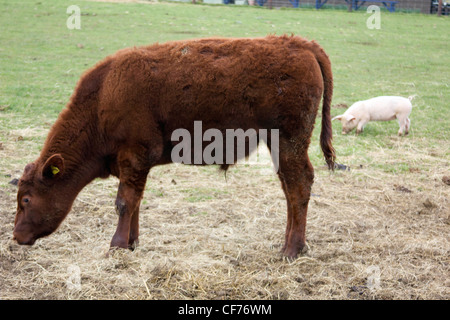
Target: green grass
<point>41,60</point>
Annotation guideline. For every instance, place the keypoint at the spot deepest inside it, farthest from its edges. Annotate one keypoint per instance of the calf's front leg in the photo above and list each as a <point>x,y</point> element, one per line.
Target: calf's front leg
<point>131,188</point>
<point>127,208</point>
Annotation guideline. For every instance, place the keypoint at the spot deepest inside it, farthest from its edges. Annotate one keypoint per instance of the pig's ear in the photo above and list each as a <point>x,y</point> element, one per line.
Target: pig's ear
<point>350,117</point>
<point>339,117</point>
<point>53,167</point>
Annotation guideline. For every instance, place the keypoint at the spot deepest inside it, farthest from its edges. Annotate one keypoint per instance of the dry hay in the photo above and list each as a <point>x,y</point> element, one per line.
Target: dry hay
<point>340,105</point>
<point>371,234</point>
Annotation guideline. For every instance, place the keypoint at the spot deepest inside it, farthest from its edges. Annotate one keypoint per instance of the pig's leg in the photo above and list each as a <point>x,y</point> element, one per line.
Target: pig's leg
<point>360,126</point>
<point>408,125</point>
<point>403,123</point>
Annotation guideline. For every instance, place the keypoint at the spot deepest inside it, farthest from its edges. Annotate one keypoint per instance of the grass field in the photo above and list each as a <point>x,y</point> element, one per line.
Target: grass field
<point>204,237</point>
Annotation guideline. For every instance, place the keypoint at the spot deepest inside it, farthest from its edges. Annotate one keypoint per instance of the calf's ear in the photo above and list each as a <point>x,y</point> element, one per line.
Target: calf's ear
<point>53,167</point>
<point>339,117</point>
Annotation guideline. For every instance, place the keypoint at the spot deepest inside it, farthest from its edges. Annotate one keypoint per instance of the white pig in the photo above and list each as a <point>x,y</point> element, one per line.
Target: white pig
<point>382,108</point>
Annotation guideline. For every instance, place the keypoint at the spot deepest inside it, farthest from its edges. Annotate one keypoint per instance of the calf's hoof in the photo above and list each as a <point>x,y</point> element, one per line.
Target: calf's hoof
<point>133,244</point>
<point>119,242</point>
<point>291,253</point>
<point>112,251</point>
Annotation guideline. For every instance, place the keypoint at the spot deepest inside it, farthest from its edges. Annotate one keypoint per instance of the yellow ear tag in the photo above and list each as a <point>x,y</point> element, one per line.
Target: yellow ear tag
<point>55,170</point>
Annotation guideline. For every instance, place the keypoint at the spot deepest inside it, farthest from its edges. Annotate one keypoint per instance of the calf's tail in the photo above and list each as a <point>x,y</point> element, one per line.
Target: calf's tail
<point>326,134</point>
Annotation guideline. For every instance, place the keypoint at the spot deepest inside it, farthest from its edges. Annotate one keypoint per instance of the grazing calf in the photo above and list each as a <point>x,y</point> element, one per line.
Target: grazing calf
<point>383,108</point>
<point>123,112</point>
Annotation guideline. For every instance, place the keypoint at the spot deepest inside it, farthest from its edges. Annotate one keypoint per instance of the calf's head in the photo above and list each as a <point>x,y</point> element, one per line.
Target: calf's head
<point>42,200</point>
<point>348,122</point>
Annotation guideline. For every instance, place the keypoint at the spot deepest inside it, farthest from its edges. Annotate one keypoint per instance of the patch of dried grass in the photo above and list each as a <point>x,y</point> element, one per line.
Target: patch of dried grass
<point>207,237</point>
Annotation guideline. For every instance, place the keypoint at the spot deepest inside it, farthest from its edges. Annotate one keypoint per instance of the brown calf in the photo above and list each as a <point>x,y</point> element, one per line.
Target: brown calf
<point>121,116</point>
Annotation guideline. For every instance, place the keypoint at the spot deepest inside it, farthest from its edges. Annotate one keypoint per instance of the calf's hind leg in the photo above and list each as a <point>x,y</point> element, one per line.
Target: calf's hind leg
<point>296,175</point>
